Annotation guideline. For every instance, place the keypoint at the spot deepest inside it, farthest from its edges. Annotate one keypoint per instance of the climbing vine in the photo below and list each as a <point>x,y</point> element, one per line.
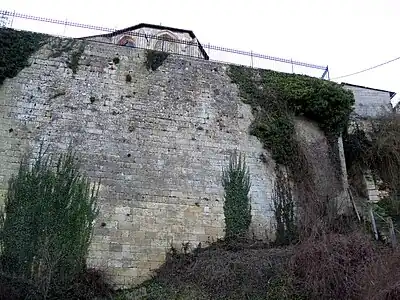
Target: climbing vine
<point>375,147</point>
<point>284,210</point>
<point>237,208</point>
<point>15,49</point>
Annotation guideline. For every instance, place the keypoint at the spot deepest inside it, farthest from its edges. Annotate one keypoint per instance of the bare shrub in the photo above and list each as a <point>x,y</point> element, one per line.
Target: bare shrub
<point>225,274</point>
<point>330,267</point>
<point>380,280</point>
<point>87,285</point>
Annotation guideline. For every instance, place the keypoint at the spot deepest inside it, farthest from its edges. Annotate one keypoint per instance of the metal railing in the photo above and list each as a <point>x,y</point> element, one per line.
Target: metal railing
<point>216,53</point>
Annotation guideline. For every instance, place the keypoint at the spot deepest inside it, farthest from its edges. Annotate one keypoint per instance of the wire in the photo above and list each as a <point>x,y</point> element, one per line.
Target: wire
<point>365,70</point>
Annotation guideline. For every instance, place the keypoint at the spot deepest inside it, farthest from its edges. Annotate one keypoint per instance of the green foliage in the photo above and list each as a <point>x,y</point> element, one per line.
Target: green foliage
<point>154,59</point>
<point>283,208</point>
<point>15,49</point>
<point>237,207</point>
<point>75,56</point>
<point>277,97</point>
<point>47,228</point>
<point>278,135</point>
<point>60,46</point>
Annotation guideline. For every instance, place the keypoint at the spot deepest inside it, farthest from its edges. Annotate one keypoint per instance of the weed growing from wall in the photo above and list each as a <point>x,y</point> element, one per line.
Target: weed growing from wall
<point>15,49</point>
<point>154,59</point>
<point>47,228</point>
<point>284,210</point>
<point>237,207</point>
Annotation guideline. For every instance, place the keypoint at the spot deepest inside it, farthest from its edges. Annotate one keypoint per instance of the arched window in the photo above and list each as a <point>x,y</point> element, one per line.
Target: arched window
<point>128,41</point>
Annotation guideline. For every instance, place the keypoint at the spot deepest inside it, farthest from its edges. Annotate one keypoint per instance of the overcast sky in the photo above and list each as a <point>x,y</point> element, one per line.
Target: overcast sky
<point>347,35</point>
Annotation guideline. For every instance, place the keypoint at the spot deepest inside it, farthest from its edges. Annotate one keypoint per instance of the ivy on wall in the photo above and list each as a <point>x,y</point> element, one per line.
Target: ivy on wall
<point>277,97</point>
<point>15,49</point>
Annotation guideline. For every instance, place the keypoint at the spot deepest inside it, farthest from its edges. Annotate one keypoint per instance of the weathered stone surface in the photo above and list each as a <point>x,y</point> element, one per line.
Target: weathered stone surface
<point>158,143</point>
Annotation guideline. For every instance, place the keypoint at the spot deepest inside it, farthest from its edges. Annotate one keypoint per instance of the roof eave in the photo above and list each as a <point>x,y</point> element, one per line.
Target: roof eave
<point>391,94</point>
<point>141,25</point>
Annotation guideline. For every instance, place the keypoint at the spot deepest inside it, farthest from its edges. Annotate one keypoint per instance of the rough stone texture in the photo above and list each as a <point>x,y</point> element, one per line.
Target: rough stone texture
<point>327,164</point>
<point>158,143</point>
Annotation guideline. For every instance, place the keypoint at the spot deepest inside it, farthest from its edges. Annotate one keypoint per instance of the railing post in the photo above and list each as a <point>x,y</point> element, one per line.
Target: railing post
<point>326,73</point>
<point>65,26</point>
<point>12,19</point>
<point>374,228</point>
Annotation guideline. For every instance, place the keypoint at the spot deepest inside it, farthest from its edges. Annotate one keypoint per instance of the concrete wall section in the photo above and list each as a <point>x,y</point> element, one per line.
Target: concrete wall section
<point>369,102</point>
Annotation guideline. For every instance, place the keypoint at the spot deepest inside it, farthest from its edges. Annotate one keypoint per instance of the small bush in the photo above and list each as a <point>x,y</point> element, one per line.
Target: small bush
<point>237,207</point>
<point>128,78</point>
<point>225,272</point>
<point>338,262</point>
<point>47,227</point>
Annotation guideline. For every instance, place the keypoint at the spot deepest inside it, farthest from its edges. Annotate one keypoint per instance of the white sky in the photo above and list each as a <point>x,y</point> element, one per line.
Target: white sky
<point>347,35</point>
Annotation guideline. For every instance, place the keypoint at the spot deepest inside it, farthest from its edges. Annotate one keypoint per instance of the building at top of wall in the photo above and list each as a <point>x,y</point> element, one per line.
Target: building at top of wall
<point>370,102</point>
<point>156,37</point>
